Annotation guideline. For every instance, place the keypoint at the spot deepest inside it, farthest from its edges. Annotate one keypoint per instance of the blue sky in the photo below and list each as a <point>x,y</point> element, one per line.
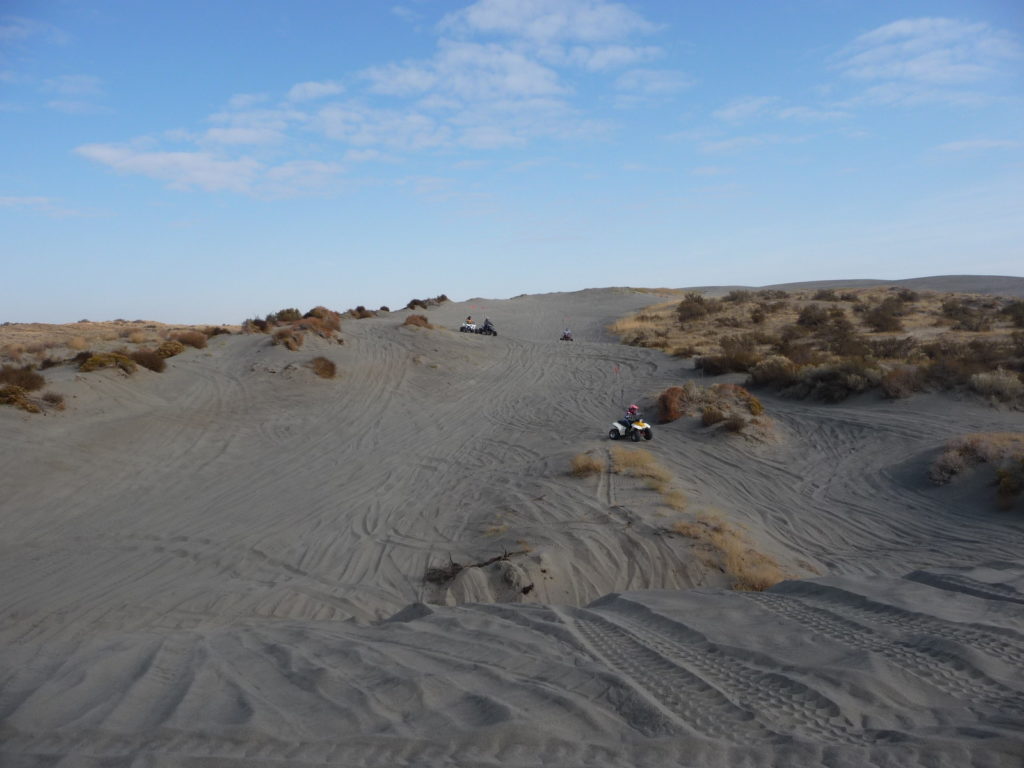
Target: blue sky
<point>210,160</point>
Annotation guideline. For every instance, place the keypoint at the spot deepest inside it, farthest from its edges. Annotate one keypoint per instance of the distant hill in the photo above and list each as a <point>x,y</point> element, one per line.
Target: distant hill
<point>1001,285</point>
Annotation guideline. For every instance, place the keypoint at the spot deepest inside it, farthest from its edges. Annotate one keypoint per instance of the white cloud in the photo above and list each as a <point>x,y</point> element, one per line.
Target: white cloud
<point>75,85</point>
<point>977,145</point>
<point>181,170</point>
<point>47,206</point>
<point>246,100</point>
<point>549,20</point>
<point>298,177</point>
<point>653,82</point>
<point>14,29</point>
<point>254,126</point>
<point>930,50</point>
<point>744,109</point>
<point>811,114</point>
<point>739,143</point>
<point>314,90</point>
<point>604,57</point>
<point>362,126</point>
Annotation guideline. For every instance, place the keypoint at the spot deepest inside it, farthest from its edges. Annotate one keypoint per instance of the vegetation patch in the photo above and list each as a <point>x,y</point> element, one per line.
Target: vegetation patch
<point>728,549</point>
<point>584,464</point>
<point>108,360</point>
<point>324,368</point>
<point>24,378</point>
<point>427,303</point>
<point>420,321</point>
<point>1004,451</point>
<point>170,349</point>
<point>195,339</point>
<point>11,394</point>
<point>150,359</point>
<point>289,338</point>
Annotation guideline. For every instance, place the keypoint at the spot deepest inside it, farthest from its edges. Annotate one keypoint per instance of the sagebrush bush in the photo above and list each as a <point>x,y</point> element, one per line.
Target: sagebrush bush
<point>328,317</point>
<point>25,378</point>
<point>812,316</point>
<point>711,415</point>
<point>170,348</point>
<point>902,381</point>
<point>215,330</point>
<point>735,423</point>
<point>418,321</point>
<point>150,359</point>
<point>1003,385</point>
<point>108,360</point>
<point>191,338</point>
<point>361,312</point>
<point>324,368</point>
<point>584,464</point>
<point>11,394</point>
<point>776,371</point>
<point>885,317</point>
<point>671,404</point>
<point>56,399</point>
<point>289,338</point>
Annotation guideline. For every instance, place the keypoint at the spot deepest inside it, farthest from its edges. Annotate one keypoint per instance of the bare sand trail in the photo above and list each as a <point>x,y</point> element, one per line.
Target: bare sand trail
<point>224,564</point>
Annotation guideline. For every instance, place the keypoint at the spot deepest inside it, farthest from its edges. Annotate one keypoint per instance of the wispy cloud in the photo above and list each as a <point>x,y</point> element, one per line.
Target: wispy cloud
<point>314,90</point>
<point>739,143</point>
<point>14,29</point>
<point>979,145</point>
<point>46,206</point>
<point>75,85</point>
<point>744,108</point>
<point>180,170</point>
<point>925,60</point>
<point>548,20</point>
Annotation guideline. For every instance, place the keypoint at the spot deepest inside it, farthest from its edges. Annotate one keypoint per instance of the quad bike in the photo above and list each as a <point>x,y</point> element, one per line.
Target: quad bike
<point>467,328</point>
<point>634,431</point>
<point>567,336</point>
<point>487,329</point>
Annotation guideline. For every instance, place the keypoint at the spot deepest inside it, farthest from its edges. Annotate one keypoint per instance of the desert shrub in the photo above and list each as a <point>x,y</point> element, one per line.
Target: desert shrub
<point>137,337</point>
<point>289,315</point>
<point>55,399</point>
<point>758,315</point>
<point>215,330</point>
<point>361,312</point>
<point>330,318</point>
<point>892,348</point>
<point>426,303</point>
<point>191,338</point>
<point>739,354</point>
<point>254,325</point>
<point>1015,311</point>
<point>908,296</point>
<point>416,304</point>
<point>776,371</point>
<point>711,415</point>
<point>840,337</point>
<point>584,464</point>
<point>671,404</point>
<point>692,307</point>
<point>812,316</point>
<point>826,294</point>
<point>739,296</point>
<point>734,423</point>
<point>78,343</point>
<point>384,308</point>
<point>289,338</point>
<point>1003,385</point>
<point>150,359</point>
<point>50,362</point>
<point>11,394</point>
<point>1010,482</point>
<point>834,382</point>
<point>25,378</point>
<point>853,298</point>
<point>772,294</point>
<point>974,320</point>
<point>885,317</point>
<point>730,321</point>
<point>170,348</point>
<point>638,462</point>
<point>108,360</point>
<point>418,320</point>
<point>323,328</point>
<point>324,368</point>
<point>902,381</point>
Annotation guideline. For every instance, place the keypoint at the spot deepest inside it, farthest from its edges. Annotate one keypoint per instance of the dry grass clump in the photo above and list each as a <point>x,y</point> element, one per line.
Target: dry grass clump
<point>11,394</point>
<point>170,348</point>
<point>78,343</point>
<point>108,360</point>
<point>1004,451</point>
<point>427,303</point>
<point>195,339</point>
<point>901,381</point>
<point>584,464</point>
<point>639,462</point>
<point>419,321</point>
<point>1000,384</point>
<point>711,415</point>
<point>25,378</point>
<point>215,330</point>
<point>12,351</point>
<point>324,368</point>
<point>56,399</point>
<point>150,359</point>
<point>728,549</point>
<point>361,312</point>
<point>137,337</point>
<point>289,337</point>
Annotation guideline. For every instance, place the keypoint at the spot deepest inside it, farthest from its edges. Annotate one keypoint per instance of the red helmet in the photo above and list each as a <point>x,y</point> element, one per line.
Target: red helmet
<point>634,409</point>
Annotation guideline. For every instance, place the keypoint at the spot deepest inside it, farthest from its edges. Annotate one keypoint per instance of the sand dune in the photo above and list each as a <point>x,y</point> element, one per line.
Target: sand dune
<point>224,564</point>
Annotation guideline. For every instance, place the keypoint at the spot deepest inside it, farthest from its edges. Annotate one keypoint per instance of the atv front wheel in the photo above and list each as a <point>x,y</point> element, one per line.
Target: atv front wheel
<point>648,434</point>
<point>613,434</point>
<point>635,436</point>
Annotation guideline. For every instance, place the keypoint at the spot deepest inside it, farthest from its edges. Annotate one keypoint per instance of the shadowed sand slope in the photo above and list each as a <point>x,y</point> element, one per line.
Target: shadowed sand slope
<point>196,564</point>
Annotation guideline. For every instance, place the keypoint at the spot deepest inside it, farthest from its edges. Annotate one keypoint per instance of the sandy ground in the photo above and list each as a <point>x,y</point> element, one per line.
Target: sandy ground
<point>223,564</point>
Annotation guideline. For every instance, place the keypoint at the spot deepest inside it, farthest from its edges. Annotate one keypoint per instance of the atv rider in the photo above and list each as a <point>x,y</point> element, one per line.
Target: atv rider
<point>632,414</point>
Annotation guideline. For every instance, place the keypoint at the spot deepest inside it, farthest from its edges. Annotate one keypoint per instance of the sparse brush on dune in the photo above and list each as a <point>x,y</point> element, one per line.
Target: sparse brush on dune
<point>55,399</point>
<point>1004,451</point>
<point>585,464</point>
<point>289,338</point>
<point>419,321</point>
<point>170,348</point>
<point>730,551</point>
<point>150,359</point>
<point>191,338</point>
<point>108,360</point>
<point>25,378</point>
<point>11,394</point>
<point>324,368</point>
<point>638,462</point>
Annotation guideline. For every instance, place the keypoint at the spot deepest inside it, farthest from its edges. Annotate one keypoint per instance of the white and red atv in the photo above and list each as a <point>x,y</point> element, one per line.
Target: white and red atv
<point>634,431</point>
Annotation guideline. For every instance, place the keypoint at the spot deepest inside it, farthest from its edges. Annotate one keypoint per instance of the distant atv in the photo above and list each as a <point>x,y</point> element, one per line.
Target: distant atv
<point>566,336</point>
<point>487,329</point>
<point>467,328</point>
<point>634,431</point>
